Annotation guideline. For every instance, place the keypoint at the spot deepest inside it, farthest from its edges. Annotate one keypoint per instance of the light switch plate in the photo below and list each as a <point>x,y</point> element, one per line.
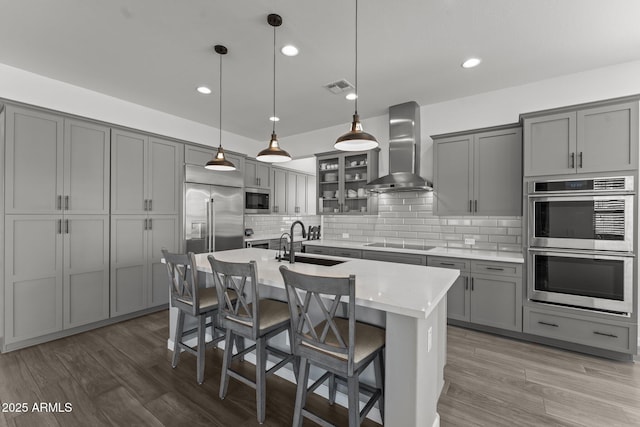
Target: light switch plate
<point>345,235</point>
<point>469,241</point>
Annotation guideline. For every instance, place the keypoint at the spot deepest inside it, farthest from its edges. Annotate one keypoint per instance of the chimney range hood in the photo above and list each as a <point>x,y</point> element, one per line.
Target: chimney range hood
<point>404,152</point>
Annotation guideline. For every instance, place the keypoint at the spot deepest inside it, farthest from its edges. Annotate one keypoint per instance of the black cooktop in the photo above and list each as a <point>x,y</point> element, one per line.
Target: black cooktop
<point>400,246</point>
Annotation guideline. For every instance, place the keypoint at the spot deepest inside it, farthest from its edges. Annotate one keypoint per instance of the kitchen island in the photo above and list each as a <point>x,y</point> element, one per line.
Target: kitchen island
<point>413,300</point>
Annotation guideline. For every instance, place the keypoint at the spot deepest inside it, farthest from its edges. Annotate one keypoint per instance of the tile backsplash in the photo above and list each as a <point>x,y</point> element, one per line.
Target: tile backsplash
<point>276,224</point>
<point>408,217</point>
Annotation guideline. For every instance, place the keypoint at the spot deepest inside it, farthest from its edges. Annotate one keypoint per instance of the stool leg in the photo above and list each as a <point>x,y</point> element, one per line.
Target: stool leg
<point>332,389</point>
<point>354,400</point>
<point>296,359</point>
<point>261,377</point>
<point>378,365</point>
<point>301,392</point>
<point>226,363</point>
<point>177,338</point>
<point>202,346</point>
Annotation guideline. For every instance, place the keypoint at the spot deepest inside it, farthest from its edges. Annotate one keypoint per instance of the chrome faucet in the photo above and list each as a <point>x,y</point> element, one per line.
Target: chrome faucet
<point>292,252</point>
<point>280,257</point>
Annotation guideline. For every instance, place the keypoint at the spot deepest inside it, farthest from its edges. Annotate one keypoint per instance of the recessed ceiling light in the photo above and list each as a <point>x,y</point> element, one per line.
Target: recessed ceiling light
<point>274,119</point>
<point>351,96</point>
<point>204,90</point>
<point>471,62</point>
<point>289,50</point>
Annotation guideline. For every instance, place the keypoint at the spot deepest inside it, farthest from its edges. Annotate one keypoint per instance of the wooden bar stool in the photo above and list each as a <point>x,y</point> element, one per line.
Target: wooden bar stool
<point>252,318</point>
<point>340,346</point>
<point>191,300</point>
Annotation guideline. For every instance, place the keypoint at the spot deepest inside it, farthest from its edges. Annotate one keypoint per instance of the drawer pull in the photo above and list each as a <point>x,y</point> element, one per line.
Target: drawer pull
<point>547,324</point>
<point>604,334</point>
<point>447,263</point>
<point>495,268</point>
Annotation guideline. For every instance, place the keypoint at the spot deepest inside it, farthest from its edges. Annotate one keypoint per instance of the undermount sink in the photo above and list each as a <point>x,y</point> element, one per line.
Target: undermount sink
<point>317,261</point>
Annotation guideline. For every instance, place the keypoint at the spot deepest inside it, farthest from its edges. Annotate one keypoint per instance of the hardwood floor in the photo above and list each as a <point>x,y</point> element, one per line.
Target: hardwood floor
<point>121,375</point>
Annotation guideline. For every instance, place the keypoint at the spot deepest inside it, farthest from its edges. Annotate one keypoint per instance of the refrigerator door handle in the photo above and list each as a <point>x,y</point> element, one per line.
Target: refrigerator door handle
<point>212,226</point>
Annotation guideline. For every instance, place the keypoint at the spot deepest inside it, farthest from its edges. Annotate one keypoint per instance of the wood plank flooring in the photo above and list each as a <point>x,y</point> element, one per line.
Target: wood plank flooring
<point>121,375</point>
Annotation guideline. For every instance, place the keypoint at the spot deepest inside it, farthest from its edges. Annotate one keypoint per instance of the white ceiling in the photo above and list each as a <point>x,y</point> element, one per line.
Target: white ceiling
<point>155,52</point>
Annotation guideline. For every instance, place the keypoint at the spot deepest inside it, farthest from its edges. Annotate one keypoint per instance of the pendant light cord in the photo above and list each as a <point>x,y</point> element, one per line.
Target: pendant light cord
<point>220,109</point>
<point>274,80</point>
<point>356,105</point>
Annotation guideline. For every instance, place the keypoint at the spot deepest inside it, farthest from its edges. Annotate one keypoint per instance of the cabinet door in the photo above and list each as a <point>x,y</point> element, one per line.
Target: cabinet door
<point>608,138</point>
<point>263,172</point>
<point>292,193</point>
<point>496,301</point>
<point>164,163</point>
<point>162,233</point>
<point>86,269</point>
<point>301,194</point>
<point>33,276</point>
<point>328,183</point>
<point>257,174</point>
<point>279,193</point>
<point>33,162</point>
<point>128,172</point>
<point>238,161</point>
<point>498,173</point>
<point>312,197</point>
<point>86,168</point>
<point>128,264</point>
<point>458,304</point>
<point>550,145</point>
<point>453,169</point>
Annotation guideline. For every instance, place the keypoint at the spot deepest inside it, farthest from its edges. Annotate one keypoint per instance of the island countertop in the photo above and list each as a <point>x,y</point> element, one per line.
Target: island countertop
<point>407,290</point>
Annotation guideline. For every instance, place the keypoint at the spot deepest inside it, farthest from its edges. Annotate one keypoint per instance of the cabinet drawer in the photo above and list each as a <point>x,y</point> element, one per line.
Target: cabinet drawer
<point>453,263</point>
<point>347,253</point>
<point>318,250</point>
<point>496,268</point>
<point>395,257</point>
<point>580,331</point>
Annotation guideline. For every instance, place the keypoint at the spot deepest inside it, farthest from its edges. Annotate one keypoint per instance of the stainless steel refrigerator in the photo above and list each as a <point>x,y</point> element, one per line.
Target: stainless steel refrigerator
<point>214,219</point>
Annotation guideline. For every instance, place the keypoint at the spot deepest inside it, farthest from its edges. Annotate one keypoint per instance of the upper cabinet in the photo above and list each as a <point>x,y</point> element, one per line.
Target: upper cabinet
<point>257,174</point>
<point>196,155</point>
<point>599,137</point>
<point>479,172</point>
<point>55,164</point>
<point>146,174</point>
<point>341,177</point>
<point>293,193</point>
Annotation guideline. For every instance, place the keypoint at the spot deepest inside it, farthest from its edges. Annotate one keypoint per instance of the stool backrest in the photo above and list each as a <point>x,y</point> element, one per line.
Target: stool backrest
<point>314,232</point>
<point>238,299</point>
<point>320,297</point>
<point>183,281</point>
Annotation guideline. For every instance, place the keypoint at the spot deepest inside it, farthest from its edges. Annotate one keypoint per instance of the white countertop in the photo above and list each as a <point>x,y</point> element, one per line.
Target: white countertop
<point>409,290</point>
<point>514,257</point>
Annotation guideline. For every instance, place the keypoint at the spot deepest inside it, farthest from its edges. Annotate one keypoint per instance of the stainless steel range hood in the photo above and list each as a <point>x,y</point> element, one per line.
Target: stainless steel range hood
<point>404,152</point>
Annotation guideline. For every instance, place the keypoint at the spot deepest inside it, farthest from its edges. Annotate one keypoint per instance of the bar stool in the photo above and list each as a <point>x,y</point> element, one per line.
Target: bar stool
<point>191,300</point>
<point>252,318</point>
<point>342,347</point>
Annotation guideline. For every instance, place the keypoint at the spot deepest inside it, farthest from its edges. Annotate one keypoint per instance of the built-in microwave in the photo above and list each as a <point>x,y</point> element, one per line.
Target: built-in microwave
<point>257,201</point>
<point>589,214</point>
<point>588,280</point>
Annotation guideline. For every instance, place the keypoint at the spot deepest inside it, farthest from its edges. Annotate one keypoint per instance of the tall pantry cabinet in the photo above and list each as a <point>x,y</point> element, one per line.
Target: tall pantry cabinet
<point>146,177</point>
<point>56,205</point>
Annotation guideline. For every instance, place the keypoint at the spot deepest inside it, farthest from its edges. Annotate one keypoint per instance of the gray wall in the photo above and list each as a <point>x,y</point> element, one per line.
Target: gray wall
<point>408,217</point>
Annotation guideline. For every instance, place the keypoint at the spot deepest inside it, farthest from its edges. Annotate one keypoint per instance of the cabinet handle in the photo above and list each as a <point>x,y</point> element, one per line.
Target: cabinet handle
<point>146,204</point>
<point>258,181</point>
<point>470,206</point>
<point>150,204</point>
<point>547,324</point>
<point>150,224</point>
<point>580,159</point>
<point>495,268</point>
<point>472,284</point>
<point>145,224</point>
<point>604,334</point>
<point>59,226</point>
<point>572,161</point>
<point>475,202</point>
<point>59,203</point>
<point>466,283</point>
<point>66,226</point>
<point>66,202</point>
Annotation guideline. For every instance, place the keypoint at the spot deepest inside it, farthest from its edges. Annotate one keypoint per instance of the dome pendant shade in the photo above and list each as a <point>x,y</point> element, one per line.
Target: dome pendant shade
<point>273,153</point>
<point>219,162</point>
<point>356,139</point>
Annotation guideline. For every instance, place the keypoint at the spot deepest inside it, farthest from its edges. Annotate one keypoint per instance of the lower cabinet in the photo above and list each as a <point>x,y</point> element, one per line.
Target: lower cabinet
<point>56,274</point>
<point>401,258</point>
<point>138,278</point>
<point>333,251</point>
<point>486,293</point>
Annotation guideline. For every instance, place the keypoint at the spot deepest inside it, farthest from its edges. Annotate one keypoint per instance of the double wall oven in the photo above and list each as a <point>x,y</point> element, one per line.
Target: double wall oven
<point>581,243</point>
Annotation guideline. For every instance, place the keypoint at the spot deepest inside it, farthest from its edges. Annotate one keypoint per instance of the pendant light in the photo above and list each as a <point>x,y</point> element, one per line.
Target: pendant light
<point>219,162</point>
<point>356,139</point>
<point>273,153</point>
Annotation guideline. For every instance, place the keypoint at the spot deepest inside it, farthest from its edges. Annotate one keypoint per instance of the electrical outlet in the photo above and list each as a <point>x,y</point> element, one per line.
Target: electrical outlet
<point>429,339</point>
<point>469,241</point>
<point>345,235</point>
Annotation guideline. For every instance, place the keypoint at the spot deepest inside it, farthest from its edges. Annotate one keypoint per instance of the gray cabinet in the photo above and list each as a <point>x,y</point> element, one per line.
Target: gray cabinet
<point>257,174</point>
<point>279,191</point>
<point>487,293</point>
<point>572,140</point>
<point>479,173</point>
<point>138,280</point>
<point>145,174</point>
<point>333,251</point>
<point>197,155</point>
<point>401,258</point>
<point>291,192</point>
<point>341,177</point>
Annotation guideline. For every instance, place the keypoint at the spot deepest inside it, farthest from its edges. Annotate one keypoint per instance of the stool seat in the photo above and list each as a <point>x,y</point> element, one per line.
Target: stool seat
<point>272,313</point>
<point>208,299</point>
<point>368,340</point>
